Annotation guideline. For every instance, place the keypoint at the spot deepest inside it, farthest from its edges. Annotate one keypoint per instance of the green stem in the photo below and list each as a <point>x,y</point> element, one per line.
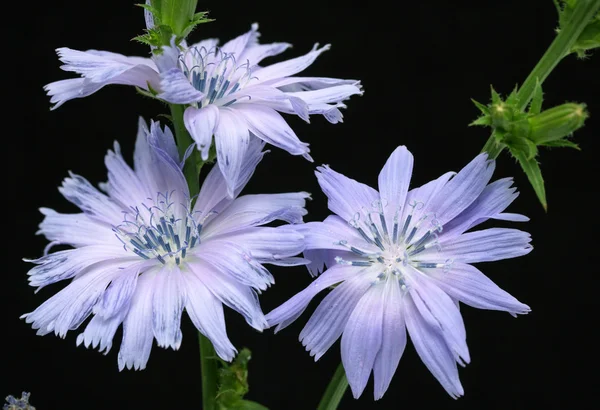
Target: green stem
<point>584,11</point>
<point>191,170</point>
<point>192,166</point>
<point>335,390</point>
<point>208,363</point>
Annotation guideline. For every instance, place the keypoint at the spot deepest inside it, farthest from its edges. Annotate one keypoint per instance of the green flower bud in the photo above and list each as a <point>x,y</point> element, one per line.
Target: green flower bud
<point>501,114</point>
<point>556,123</point>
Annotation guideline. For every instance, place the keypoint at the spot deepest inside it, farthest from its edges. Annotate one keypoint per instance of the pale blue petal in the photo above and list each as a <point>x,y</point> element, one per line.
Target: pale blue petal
<point>206,313</point>
<point>229,291</point>
<point>289,67</point>
<point>494,199</point>
<point>393,339</point>
<point>168,301</point>
<point>328,321</point>
<point>433,350</point>
<point>234,260</point>
<point>176,88</point>
<point>268,245</point>
<point>201,124</point>
<point>237,45</point>
<point>440,312</point>
<point>394,180</point>
<point>168,59</point>
<point>328,95</point>
<point>308,83</point>
<point>268,125</point>
<point>270,97</point>
<point>65,90</point>
<point>329,233</point>
<point>67,264</point>
<point>361,340</point>
<point>420,202</point>
<point>213,193</point>
<point>74,229</point>
<point>148,17</point>
<point>232,140</point>
<point>99,68</point>
<point>99,332</point>
<point>288,312</point>
<point>321,259</point>
<point>482,246</point>
<point>463,189</point>
<point>123,185</point>
<point>207,44</point>
<point>164,139</point>
<point>117,298</point>
<point>137,326</point>
<point>156,168</point>
<point>467,284</point>
<point>346,197</point>
<point>71,306</point>
<point>254,210</point>
<point>106,67</point>
<point>92,202</point>
<point>257,53</point>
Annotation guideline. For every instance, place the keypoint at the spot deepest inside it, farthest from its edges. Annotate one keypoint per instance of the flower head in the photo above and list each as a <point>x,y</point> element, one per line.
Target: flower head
<point>401,261</point>
<point>229,95</point>
<point>143,253</point>
<point>13,403</point>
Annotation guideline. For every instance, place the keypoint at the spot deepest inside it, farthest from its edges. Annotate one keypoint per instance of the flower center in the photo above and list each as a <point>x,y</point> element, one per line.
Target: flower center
<point>402,247</point>
<point>214,73</point>
<point>163,231</point>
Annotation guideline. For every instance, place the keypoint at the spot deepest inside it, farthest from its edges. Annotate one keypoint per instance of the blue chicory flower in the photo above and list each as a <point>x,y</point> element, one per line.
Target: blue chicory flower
<point>12,403</point>
<point>229,95</point>
<point>401,261</point>
<point>143,253</point>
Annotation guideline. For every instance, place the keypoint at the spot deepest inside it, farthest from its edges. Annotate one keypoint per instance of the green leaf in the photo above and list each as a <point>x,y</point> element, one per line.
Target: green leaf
<point>538,97</point>
<point>534,174</point>
<point>561,143</point>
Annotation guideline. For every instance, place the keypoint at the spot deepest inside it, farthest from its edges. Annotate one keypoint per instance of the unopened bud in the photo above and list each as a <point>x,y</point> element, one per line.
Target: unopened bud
<point>556,123</point>
<point>501,114</point>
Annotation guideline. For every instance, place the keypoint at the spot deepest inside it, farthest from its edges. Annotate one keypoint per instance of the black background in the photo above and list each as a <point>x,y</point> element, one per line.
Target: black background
<point>420,63</point>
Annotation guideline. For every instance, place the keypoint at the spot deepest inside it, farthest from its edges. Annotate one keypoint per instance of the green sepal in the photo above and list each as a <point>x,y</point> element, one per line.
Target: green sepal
<point>482,107</point>
<point>199,18</point>
<point>144,92</point>
<point>534,174</point>
<point>171,18</point>
<point>485,121</point>
<point>564,143</point>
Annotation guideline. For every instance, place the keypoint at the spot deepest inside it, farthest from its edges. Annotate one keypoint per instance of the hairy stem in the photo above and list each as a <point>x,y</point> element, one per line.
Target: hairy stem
<point>191,170</point>
<point>335,390</point>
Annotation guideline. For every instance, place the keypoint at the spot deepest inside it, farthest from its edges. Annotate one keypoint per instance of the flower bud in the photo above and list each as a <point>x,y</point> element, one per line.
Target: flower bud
<point>557,122</point>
